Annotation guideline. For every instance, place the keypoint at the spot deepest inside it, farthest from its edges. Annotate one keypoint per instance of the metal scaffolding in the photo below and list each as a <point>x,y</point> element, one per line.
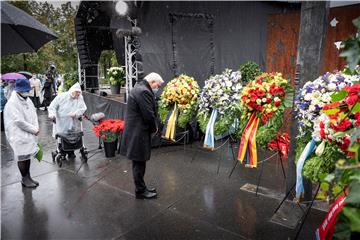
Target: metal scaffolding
<point>131,67</point>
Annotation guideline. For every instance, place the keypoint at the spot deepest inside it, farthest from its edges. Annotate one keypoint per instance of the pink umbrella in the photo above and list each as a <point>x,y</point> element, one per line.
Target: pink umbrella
<point>12,76</point>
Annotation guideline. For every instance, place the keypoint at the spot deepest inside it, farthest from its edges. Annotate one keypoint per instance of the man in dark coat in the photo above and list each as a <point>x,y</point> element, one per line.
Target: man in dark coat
<point>140,124</point>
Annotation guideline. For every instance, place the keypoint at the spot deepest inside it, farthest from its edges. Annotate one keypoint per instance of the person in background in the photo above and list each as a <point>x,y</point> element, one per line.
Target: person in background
<point>35,91</point>
<point>61,87</point>
<point>64,109</point>
<point>3,101</point>
<point>21,129</point>
<point>51,77</point>
<point>140,123</point>
<point>47,89</point>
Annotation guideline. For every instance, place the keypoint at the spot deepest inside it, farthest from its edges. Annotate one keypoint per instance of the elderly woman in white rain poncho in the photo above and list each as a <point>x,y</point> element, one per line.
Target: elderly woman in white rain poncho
<point>65,110</point>
<point>21,129</point>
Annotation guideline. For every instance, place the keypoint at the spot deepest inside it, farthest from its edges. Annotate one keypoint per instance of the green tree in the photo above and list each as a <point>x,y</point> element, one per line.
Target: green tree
<point>107,60</point>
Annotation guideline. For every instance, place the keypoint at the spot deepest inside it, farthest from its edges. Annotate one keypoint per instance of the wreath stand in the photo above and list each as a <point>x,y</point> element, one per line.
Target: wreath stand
<point>183,136</point>
<point>305,211</point>
<point>228,141</point>
<point>262,168</point>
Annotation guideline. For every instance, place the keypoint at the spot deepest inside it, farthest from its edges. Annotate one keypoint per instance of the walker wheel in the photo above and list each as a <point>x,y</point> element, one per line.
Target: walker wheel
<point>84,157</point>
<point>59,160</point>
<point>53,155</point>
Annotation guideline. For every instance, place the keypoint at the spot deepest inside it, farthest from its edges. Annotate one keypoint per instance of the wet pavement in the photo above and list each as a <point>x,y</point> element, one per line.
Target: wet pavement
<point>96,200</point>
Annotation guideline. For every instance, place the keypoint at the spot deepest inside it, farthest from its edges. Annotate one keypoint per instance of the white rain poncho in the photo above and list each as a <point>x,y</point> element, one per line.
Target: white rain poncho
<point>67,110</point>
<point>21,125</point>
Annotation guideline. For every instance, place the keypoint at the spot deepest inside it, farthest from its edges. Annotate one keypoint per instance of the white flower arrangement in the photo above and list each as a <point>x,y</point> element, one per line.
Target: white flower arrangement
<point>221,92</point>
<point>315,94</point>
<point>116,76</point>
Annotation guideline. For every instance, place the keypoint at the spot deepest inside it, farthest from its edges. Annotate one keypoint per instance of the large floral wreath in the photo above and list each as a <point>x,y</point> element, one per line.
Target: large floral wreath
<point>314,95</point>
<point>182,92</point>
<point>263,102</point>
<point>334,127</point>
<point>221,92</point>
<point>315,126</point>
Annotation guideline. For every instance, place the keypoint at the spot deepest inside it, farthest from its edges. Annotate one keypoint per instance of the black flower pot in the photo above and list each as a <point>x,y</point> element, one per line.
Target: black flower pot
<point>110,148</point>
<point>115,89</point>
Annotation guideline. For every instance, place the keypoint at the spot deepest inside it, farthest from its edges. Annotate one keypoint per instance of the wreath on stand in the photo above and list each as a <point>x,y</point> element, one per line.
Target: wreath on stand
<point>262,104</point>
<point>219,105</point>
<point>315,96</point>
<point>177,104</point>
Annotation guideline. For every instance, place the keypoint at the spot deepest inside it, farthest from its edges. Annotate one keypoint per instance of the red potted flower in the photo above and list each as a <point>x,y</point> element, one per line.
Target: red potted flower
<point>109,131</point>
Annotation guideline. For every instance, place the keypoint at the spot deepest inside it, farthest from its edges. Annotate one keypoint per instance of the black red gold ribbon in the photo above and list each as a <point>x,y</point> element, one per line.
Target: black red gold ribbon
<point>248,142</point>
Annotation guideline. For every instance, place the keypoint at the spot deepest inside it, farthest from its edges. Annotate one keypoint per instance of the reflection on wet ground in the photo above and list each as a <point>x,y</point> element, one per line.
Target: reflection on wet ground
<point>96,200</point>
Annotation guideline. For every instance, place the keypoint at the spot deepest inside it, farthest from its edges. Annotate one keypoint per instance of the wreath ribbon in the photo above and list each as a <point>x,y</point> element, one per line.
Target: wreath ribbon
<point>171,125</point>
<point>299,167</point>
<point>209,140</point>
<point>248,142</point>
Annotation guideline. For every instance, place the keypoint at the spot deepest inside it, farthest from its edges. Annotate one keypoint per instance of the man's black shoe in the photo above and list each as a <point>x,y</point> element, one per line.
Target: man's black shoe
<point>146,195</point>
<point>151,189</point>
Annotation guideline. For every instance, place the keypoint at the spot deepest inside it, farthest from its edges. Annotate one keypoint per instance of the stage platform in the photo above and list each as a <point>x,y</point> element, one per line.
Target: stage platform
<point>113,106</point>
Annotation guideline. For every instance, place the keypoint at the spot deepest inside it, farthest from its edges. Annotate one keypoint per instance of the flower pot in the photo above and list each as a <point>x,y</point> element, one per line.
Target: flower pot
<point>110,148</point>
<point>115,89</point>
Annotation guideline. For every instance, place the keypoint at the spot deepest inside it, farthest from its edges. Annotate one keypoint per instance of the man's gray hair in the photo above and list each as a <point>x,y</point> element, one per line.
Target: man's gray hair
<point>154,77</point>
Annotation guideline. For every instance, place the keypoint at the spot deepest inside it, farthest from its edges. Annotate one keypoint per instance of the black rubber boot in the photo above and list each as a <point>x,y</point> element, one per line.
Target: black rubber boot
<point>28,162</point>
<point>26,182</point>
<point>24,170</point>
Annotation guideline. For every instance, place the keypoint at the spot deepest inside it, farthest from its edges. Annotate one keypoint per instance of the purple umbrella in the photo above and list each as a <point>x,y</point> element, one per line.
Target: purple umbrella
<point>26,74</point>
<point>12,76</point>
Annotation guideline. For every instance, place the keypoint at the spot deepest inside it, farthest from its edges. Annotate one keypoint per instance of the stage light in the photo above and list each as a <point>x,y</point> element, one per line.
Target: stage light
<point>121,8</point>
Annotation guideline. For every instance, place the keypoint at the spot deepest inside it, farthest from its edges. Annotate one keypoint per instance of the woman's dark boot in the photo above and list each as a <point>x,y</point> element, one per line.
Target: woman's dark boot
<point>24,170</point>
<point>28,162</point>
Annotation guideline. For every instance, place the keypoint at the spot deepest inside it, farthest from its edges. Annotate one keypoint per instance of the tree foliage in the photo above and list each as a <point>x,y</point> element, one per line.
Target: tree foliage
<point>351,47</point>
<point>61,51</point>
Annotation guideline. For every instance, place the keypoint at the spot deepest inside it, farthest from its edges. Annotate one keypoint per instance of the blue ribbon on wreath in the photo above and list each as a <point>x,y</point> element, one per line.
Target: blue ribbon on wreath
<point>299,167</point>
<point>209,141</point>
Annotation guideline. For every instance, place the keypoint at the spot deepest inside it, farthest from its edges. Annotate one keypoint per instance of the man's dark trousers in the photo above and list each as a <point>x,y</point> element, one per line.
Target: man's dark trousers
<point>138,168</point>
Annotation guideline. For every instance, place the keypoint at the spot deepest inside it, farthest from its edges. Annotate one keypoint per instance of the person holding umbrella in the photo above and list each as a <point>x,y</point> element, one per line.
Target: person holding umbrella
<point>22,128</point>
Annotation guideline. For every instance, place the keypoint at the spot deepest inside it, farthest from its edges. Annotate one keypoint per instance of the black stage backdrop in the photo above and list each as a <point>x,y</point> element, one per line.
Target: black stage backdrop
<point>197,38</point>
<point>203,38</point>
